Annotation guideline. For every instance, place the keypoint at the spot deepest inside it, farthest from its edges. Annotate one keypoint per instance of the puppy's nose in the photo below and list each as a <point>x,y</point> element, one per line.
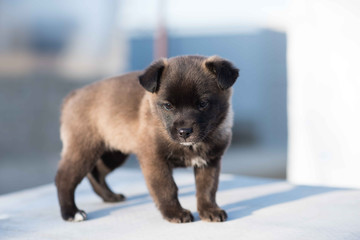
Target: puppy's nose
<point>185,132</point>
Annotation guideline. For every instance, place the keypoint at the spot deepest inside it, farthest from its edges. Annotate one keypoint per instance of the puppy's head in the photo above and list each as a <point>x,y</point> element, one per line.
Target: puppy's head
<point>191,95</point>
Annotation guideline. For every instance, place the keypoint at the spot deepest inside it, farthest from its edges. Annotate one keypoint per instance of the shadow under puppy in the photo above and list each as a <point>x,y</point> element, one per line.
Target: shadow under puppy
<point>176,113</point>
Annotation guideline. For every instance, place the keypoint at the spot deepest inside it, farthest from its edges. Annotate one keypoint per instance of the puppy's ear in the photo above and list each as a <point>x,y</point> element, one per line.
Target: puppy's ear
<point>226,73</point>
<point>150,79</point>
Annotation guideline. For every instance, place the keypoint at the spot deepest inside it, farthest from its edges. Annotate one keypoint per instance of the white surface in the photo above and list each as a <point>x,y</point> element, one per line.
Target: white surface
<point>257,209</point>
<point>324,93</point>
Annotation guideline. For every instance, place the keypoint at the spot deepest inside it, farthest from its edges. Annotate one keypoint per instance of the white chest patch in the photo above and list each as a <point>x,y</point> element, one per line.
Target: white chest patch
<point>198,162</point>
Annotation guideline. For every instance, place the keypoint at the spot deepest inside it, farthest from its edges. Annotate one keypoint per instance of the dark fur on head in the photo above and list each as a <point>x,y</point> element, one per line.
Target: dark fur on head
<point>204,104</point>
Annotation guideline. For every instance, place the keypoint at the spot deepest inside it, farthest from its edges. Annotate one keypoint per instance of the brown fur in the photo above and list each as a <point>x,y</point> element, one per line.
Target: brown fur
<point>104,122</point>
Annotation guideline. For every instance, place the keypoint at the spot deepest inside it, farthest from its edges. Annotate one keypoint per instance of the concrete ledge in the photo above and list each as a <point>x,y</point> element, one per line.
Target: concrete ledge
<point>257,209</point>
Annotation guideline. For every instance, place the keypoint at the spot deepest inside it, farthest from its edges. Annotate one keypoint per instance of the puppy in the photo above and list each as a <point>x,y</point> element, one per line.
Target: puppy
<point>176,113</point>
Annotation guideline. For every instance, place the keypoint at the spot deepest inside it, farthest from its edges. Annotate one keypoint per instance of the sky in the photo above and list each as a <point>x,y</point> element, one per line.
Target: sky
<point>202,16</point>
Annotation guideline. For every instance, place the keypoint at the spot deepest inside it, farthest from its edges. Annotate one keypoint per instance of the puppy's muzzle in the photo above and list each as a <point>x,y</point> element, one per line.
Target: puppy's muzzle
<point>184,133</point>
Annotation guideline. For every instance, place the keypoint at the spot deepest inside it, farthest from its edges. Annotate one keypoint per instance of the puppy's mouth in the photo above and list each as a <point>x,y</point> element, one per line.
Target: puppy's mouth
<point>191,141</point>
<point>187,143</point>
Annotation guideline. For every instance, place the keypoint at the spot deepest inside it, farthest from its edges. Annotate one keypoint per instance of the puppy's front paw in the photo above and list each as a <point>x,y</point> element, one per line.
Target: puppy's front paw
<point>178,216</point>
<point>213,215</point>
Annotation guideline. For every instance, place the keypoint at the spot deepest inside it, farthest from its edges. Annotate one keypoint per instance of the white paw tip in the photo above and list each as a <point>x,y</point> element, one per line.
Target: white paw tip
<point>80,216</point>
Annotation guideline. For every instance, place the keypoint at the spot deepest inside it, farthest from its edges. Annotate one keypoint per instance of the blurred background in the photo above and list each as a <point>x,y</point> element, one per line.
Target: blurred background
<point>48,48</point>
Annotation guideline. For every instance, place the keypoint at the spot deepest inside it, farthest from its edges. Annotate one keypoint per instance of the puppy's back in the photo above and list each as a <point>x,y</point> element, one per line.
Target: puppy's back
<point>103,110</point>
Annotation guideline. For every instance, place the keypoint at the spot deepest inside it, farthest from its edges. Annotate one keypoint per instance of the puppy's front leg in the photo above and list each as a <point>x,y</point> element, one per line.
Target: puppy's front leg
<point>159,180</point>
<point>207,179</point>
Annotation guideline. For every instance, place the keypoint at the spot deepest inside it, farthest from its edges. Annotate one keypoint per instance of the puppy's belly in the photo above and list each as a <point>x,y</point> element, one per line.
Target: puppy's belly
<point>120,143</point>
<point>120,138</point>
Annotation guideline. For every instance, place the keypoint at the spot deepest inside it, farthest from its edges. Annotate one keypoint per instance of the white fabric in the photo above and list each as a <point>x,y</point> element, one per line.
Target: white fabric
<point>324,93</point>
<point>257,209</point>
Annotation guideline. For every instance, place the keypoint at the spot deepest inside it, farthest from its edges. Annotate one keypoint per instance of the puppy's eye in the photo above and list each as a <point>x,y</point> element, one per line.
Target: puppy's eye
<point>203,105</point>
<point>168,106</point>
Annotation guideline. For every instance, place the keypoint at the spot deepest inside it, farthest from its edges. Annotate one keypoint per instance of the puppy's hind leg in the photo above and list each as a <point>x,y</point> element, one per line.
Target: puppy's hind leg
<point>76,162</point>
<point>106,164</point>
